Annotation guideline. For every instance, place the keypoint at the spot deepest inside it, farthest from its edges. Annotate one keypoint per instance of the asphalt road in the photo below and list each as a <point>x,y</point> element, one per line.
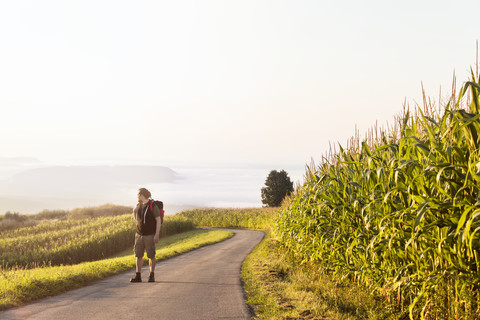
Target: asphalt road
<point>203,284</point>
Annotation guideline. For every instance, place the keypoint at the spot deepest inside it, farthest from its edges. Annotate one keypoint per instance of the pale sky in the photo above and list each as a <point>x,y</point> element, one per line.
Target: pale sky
<point>218,81</point>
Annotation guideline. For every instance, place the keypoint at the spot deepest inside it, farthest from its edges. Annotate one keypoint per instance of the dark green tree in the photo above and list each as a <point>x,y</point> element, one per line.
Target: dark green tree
<point>277,186</point>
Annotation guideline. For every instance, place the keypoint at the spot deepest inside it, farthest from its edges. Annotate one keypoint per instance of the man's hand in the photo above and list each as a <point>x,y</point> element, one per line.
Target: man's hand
<point>155,239</point>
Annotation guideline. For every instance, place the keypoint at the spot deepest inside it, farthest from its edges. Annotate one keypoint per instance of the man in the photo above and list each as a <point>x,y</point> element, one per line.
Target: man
<point>148,232</point>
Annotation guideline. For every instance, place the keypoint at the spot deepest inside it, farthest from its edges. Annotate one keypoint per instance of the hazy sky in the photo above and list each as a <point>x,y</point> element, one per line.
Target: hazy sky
<point>218,81</point>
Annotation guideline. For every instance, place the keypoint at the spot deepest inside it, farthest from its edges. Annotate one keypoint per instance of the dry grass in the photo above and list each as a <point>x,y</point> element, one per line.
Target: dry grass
<point>15,220</point>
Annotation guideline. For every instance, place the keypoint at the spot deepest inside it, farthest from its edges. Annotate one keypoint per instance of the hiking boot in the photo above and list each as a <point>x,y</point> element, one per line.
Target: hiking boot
<point>137,278</point>
<point>151,278</point>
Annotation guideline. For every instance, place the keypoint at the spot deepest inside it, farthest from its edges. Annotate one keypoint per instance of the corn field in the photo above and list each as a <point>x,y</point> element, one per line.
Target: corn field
<point>254,218</point>
<point>399,212</point>
<point>74,241</point>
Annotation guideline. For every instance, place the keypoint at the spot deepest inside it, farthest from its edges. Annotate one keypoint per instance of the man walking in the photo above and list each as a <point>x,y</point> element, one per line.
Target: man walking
<point>148,232</point>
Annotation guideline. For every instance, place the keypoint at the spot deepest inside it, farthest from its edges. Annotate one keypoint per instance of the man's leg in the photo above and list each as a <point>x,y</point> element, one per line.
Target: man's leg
<point>138,249</point>
<point>152,264</point>
<point>150,247</point>
<point>139,264</point>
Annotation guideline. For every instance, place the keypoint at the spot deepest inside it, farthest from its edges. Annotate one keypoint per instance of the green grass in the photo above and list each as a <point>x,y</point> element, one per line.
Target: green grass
<point>19,286</point>
<point>279,288</point>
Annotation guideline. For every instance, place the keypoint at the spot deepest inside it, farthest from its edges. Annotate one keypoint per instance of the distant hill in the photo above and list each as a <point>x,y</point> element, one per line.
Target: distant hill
<point>61,175</point>
<point>68,186</point>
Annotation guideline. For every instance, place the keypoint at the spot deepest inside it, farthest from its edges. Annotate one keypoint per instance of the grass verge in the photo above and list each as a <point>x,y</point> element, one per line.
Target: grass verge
<point>21,286</point>
<point>279,288</point>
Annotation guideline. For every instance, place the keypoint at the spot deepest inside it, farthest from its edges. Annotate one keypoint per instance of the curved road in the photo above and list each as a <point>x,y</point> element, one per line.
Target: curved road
<point>202,284</point>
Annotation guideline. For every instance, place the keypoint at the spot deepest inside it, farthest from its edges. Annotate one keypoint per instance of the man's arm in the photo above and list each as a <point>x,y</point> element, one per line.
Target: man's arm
<point>135,210</point>
<point>157,231</point>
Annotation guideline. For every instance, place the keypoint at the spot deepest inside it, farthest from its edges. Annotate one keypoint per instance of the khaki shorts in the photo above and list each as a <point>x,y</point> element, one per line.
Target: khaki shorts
<point>143,243</point>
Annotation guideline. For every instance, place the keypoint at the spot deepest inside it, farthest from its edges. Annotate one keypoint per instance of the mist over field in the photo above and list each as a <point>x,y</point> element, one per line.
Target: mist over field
<point>28,185</point>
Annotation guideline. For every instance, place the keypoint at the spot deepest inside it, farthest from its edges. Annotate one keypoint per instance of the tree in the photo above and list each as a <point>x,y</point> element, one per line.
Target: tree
<point>277,186</point>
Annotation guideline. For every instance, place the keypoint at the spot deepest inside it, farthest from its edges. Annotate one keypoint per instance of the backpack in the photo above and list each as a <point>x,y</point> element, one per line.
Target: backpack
<point>159,204</point>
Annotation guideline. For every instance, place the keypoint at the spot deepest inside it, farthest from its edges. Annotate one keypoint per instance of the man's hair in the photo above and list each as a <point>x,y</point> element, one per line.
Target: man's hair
<point>144,192</point>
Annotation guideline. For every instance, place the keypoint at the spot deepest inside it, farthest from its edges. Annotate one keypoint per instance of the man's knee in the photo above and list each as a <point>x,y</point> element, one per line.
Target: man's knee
<point>151,254</point>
